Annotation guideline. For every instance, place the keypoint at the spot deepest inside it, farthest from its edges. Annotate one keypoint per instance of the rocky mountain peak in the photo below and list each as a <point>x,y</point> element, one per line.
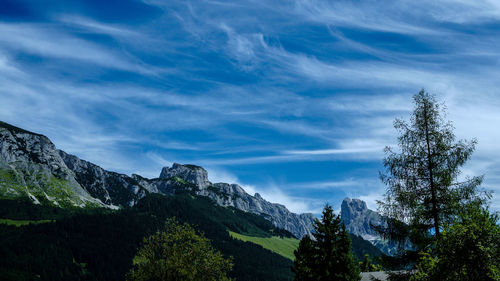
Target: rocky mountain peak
<point>31,166</point>
<point>353,209</point>
<point>190,173</point>
<point>233,195</point>
<point>360,220</point>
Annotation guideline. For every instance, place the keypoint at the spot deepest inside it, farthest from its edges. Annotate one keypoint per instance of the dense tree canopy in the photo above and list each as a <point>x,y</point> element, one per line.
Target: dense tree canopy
<point>178,253</point>
<point>100,244</point>
<point>328,256</point>
<point>469,249</point>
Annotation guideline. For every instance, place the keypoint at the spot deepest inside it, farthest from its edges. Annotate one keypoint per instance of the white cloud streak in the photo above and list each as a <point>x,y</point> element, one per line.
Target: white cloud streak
<point>47,41</point>
<point>277,94</point>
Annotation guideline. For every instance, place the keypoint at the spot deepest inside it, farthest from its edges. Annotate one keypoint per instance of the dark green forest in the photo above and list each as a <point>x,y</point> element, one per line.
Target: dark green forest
<point>99,244</point>
<point>96,244</point>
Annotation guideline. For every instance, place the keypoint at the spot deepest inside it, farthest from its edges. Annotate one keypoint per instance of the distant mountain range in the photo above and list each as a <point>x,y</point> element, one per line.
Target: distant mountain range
<point>30,165</point>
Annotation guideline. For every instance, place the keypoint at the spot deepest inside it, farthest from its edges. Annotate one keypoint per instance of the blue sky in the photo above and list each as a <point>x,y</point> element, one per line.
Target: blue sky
<point>291,99</point>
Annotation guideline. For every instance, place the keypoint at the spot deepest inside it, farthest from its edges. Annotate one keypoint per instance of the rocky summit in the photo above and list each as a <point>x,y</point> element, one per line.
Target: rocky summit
<point>190,173</point>
<point>359,220</point>
<point>233,195</point>
<point>31,166</point>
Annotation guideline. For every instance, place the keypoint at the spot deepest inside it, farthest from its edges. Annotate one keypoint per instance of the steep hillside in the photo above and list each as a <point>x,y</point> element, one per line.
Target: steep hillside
<point>281,245</point>
<point>286,246</point>
<point>30,166</point>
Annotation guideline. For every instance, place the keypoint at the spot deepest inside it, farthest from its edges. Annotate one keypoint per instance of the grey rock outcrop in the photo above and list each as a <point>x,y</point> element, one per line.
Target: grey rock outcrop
<point>111,188</point>
<point>190,173</point>
<point>31,165</point>
<point>360,220</point>
<point>233,195</point>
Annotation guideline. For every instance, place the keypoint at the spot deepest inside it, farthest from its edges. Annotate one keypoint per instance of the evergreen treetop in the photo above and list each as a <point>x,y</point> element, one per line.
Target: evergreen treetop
<point>328,256</point>
<point>422,174</point>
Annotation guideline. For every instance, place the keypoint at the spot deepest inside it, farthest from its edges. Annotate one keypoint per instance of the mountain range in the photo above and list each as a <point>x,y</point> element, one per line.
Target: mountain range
<point>31,165</point>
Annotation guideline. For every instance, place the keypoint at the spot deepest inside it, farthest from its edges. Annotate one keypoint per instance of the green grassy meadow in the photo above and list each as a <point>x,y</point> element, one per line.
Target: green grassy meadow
<point>282,246</point>
<point>23,222</point>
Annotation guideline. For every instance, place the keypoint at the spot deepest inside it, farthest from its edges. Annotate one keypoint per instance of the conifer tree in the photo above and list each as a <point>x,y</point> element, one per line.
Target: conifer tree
<point>423,189</point>
<point>303,265</point>
<point>328,256</point>
<point>367,265</point>
<point>424,192</point>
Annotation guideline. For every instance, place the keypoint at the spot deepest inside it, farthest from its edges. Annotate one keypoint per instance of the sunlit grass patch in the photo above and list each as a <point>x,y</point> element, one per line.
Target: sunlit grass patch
<point>281,246</point>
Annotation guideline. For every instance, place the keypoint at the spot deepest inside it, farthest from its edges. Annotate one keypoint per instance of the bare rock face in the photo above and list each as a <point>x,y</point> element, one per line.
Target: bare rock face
<point>233,195</point>
<point>190,173</point>
<point>111,188</point>
<point>30,165</point>
<point>360,220</point>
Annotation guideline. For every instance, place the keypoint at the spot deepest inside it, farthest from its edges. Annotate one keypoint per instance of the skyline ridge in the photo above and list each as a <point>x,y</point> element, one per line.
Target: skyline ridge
<point>293,100</point>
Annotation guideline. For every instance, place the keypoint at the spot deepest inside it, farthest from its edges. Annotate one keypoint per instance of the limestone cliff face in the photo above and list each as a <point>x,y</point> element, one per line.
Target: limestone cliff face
<point>233,195</point>
<point>30,165</point>
<point>111,188</point>
<point>190,173</point>
<point>360,220</point>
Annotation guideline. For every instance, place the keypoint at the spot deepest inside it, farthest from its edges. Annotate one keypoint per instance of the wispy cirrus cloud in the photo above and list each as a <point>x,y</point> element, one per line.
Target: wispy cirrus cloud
<point>334,151</point>
<point>95,27</point>
<point>50,43</point>
<point>295,87</point>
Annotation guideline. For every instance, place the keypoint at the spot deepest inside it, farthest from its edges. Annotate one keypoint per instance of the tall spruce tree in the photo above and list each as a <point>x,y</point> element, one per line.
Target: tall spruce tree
<point>328,256</point>
<point>305,258</point>
<point>423,189</point>
<point>424,192</point>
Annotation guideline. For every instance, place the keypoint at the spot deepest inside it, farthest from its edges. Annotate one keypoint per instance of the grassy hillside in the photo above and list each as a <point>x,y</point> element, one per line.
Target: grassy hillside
<point>22,222</point>
<point>34,182</point>
<point>286,245</point>
<point>283,246</point>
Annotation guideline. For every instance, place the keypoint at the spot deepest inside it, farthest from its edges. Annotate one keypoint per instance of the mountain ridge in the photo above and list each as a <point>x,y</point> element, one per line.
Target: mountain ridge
<point>31,165</point>
<point>22,150</point>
